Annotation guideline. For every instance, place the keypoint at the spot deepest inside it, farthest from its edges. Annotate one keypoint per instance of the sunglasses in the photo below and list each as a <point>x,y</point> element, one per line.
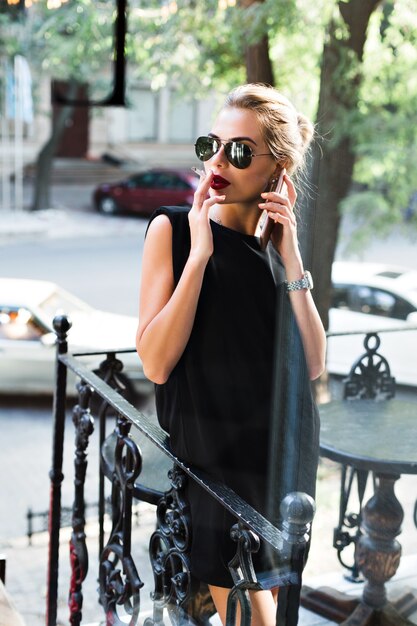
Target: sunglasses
<point>239,154</point>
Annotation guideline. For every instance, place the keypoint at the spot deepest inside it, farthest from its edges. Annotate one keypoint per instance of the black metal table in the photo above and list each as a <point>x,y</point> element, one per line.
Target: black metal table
<point>380,437</point>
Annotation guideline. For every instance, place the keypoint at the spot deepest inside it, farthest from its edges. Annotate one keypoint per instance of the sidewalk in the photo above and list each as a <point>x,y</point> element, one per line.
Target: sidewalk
<point>59,223</point>
<point>71,214</point>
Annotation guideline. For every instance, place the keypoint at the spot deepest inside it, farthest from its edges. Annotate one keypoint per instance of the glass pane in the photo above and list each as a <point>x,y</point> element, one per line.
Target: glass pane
<point>141,116</point>
<point>181,120</point>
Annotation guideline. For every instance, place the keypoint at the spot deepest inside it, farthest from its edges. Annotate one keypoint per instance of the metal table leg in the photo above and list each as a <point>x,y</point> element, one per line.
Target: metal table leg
<point>378,555</point>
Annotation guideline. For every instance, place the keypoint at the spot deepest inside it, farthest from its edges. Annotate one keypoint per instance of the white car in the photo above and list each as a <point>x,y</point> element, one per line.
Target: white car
<point>27,338</point>
<point>370,297</point>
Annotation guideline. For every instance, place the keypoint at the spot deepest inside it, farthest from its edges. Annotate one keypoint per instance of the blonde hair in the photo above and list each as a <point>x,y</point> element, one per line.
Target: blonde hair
<point>286,132</point>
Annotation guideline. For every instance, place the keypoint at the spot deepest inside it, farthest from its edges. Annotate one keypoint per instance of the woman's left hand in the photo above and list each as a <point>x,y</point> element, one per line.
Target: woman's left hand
<point>280,208</point>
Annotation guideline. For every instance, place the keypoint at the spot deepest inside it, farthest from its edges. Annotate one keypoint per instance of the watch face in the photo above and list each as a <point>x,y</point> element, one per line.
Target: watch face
<point>309,279</point>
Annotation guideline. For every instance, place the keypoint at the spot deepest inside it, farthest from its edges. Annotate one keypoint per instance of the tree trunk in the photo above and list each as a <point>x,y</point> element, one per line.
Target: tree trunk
<point>258,62</point>
<point>333,156</point>
<point>41,197</point>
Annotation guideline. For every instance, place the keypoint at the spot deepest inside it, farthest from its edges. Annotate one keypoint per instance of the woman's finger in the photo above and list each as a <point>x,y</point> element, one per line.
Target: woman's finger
<point>281,218</point>
<point>292,194</point>
<point>209,202</point>
<point>202,189</point>
<point>278,208</point>
<point>288,198</point>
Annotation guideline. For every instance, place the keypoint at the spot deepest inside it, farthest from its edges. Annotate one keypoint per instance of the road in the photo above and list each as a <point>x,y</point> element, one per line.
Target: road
<point>104,271</point>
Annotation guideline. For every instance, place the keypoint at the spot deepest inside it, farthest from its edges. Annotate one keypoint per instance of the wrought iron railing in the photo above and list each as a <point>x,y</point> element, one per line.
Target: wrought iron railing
<point>120,584</point>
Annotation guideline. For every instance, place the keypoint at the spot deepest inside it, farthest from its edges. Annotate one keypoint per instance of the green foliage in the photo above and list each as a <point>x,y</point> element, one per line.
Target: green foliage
<point>72,42</point>
<point>384,126</point>
<point>189,46</point>
<point>295,51</point>
<point>80,34</point>
<point>199,48</point>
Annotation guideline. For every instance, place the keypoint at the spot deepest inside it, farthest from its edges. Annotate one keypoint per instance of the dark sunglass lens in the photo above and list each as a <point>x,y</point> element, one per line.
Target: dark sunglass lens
<point>205,148</point>
<point>239,154</point>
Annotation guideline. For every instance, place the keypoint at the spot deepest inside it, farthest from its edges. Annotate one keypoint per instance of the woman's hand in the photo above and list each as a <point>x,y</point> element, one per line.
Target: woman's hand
<point>198,217</point>
<point>280,208</point>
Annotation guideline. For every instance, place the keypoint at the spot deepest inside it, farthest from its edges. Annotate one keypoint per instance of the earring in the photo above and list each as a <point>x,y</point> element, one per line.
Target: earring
<point>272,184</point>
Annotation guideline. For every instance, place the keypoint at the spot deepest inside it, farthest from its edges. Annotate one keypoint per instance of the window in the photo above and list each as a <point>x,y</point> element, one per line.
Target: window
<point>402,309</point>
<point>149,180</point>
<point>182,115</point>
<point>340,297</point>
<point>166,180</point>
<point>63,303</point>
<point>371,301</point>
<point>142,116</point>
<point>380,302</point>
<point>19,324</point>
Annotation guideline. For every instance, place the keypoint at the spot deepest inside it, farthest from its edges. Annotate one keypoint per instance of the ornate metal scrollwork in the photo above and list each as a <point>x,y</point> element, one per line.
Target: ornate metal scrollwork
<point>369,378</point>
<point>370,375</point>
<point>169,554</point>
<point>111,371</point>
<point>348,530</point>
<point>120,583</point>
<point>297,511</point>
<point>84,427</point>
<point>243,574</point>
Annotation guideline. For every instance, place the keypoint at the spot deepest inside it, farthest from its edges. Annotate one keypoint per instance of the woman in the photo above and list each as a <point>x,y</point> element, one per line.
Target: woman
<point>207,320</point>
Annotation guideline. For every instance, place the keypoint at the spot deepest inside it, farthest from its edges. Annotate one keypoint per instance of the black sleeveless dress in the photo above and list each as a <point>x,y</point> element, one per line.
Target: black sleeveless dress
<point>216,404</point>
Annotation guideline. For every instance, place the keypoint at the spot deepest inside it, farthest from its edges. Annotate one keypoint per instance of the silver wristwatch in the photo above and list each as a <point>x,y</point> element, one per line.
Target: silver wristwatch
<point>306,282</point>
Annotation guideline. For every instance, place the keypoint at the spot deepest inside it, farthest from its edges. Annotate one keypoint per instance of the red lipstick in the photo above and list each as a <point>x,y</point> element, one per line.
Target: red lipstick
<point>218,182</point>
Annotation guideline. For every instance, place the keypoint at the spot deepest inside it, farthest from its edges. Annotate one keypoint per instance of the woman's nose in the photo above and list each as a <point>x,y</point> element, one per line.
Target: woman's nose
<point>220,157</point>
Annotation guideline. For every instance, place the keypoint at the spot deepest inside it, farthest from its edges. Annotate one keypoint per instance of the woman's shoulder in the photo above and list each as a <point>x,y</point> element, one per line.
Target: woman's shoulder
<point>180,237</point>
<point>175,214</point>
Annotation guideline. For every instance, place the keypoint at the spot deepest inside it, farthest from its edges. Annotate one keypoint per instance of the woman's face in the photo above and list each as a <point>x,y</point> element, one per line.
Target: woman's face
<point>240,185</point>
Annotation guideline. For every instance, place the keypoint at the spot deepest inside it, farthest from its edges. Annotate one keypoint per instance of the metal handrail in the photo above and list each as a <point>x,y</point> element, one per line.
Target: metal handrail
<point>232,502</point>
<point>297,509</point>
<point>370,331</point>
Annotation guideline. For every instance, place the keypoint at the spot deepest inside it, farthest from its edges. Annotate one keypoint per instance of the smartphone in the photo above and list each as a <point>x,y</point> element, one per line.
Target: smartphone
<point>269,224</point>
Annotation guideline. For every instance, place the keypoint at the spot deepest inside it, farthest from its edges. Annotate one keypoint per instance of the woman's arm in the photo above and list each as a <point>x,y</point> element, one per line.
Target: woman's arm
<point>309,324</point>
<point>280,209</point>
<point>166,312</point>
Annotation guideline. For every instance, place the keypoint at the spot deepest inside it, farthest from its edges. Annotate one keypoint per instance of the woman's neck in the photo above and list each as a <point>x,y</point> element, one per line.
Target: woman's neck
<point>244,219</point>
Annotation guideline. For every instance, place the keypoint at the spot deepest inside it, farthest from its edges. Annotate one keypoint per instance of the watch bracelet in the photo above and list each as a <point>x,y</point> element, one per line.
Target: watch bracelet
<point>297,285</point>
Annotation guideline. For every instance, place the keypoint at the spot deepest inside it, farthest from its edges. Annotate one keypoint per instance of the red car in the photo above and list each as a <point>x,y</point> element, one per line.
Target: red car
<point>144,192</point>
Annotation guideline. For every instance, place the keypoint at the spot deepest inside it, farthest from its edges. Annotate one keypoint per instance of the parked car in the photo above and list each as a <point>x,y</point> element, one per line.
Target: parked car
<point>371,296</point>
<point>144,192</point>
<point>27,338</point>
